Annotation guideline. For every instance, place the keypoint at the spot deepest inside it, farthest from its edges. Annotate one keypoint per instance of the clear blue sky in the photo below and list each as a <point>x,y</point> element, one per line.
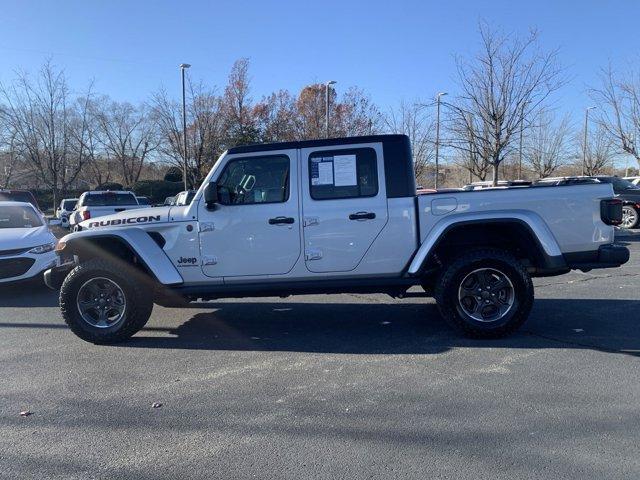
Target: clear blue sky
<point>392,49</point>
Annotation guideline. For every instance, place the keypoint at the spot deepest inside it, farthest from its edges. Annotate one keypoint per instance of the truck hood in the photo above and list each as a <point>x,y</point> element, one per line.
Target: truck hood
<point>14,238</point>
<point>129,218</point>
<point>631,195</point>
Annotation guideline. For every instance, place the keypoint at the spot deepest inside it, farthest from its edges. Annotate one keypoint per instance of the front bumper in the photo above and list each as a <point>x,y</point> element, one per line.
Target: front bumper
<point>54,277</point>
<point>607,256</point>
<point>41,262</point>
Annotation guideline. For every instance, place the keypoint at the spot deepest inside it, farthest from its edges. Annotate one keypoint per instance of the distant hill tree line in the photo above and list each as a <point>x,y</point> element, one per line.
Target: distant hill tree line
<point>500,113</point>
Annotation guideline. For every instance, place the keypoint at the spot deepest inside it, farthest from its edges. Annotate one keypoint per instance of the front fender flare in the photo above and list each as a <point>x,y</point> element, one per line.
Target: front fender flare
<point>136,239</point>
<point>531,220</point>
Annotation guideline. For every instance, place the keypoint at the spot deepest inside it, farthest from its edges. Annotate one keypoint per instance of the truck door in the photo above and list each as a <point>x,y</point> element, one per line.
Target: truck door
<point>344,204</point>
<point>255,228</point>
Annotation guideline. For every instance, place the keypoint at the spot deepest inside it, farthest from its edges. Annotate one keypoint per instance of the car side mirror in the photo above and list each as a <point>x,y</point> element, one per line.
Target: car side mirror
<point>211,195</point>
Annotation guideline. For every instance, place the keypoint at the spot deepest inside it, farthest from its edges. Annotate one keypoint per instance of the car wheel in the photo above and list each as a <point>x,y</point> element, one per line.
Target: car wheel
<point>485,293</point>
<point>629,217</point>
<point>102,304</point>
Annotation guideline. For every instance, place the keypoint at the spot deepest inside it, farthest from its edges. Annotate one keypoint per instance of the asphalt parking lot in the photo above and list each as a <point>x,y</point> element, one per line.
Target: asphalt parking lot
<point>343,386</point>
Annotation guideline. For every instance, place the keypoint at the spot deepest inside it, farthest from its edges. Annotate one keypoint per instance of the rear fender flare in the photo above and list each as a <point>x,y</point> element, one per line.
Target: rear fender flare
<point>536,225</point>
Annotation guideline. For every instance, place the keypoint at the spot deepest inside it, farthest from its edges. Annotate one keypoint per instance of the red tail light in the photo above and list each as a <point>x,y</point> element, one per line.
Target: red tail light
<point>611,211</point>
<point>86,215</point>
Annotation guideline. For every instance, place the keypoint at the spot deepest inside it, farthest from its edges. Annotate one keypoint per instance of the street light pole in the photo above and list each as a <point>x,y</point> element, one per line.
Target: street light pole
<point>326,106</point>
<point>438,137</point>
<point>584,145</point>
<point>183,67</point>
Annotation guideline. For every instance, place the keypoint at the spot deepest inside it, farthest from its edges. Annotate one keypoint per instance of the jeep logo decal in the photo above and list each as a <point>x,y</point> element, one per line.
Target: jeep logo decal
<point>125,221</point>
<point>187,261</point>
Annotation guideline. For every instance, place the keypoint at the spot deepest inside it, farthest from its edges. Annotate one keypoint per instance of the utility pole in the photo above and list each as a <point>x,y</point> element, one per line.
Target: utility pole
<point>183,67</point>
<point>584,145</point>
<point>326,106</point>
<point>441,94</point>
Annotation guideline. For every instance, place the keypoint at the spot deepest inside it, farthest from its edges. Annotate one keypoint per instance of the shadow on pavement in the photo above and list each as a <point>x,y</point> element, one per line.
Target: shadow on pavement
<point>605,325</point>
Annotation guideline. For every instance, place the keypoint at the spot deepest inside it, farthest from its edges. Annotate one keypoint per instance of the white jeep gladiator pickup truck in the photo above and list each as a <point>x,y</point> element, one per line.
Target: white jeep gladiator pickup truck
<point>333,216</point>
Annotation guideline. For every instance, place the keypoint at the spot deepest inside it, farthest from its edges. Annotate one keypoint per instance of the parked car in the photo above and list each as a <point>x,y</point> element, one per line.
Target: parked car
<point>501,184</point>
<point>26,243</point>
<point>624,189</point>
<point>99,203</point>
<point>19,196</point>
<point>185,197</point>
<point>555,181</point>
<point>634,180</point>
<point>630,195</point>
<point>334,216</point>
<point>65,209</point>
<point>143,201</point>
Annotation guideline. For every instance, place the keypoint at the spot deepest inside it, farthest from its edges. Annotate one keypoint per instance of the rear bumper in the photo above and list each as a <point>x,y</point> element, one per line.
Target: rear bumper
<point>54,277</point>
<point>607,256</point>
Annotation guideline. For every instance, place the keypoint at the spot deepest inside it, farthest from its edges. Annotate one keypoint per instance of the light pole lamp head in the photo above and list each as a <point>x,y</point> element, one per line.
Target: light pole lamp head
<point>331,82</point>
<point>184,65</point>
<point>441,94</point>
<point>591,108</point>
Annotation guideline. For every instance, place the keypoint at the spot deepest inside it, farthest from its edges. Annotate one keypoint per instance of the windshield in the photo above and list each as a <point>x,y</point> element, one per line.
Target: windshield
<point>19,217</point>
<point>69,205</point>
<point>108,199</point>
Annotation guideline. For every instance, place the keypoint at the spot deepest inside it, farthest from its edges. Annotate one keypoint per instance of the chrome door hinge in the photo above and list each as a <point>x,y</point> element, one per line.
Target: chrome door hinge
<point>207,227</point>
<point>308,221</point>
<point>209,260</point>
<point>312,254</point>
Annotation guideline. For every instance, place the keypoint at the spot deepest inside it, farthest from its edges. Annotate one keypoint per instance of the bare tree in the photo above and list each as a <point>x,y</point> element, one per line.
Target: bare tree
<point>546,148</point>
<point>237,106</point>
<point>470,153</point>
<point>355,114</point>
<point>619,109</point>
<point>600,150</point>
<point>502,86</point>
<point>204,129</point>
<point>413,120</point>
<point>127,135</point>
<point>42,115</point>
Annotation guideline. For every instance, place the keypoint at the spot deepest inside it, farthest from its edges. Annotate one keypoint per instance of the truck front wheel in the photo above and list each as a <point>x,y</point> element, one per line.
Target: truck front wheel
<point>102,303</point>
<point>485,293</point>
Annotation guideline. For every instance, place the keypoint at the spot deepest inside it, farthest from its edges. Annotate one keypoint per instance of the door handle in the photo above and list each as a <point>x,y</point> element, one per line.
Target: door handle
<point>281,221</point>
<point>362,216</point>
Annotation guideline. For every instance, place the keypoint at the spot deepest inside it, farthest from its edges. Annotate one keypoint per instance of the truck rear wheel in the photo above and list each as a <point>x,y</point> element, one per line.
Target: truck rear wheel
<point>103,304</point>
<point>485,293</point>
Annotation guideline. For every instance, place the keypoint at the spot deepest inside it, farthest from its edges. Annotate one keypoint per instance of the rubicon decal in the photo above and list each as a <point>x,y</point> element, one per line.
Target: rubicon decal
<point>125,221</point>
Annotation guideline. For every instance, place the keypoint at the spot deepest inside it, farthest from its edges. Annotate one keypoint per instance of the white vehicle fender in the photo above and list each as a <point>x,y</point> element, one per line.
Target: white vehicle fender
<point>138,240</point>
<point>532,220</point>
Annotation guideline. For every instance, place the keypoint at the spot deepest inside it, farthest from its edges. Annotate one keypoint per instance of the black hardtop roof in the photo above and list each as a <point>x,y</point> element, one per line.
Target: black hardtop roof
<point>324,142</point>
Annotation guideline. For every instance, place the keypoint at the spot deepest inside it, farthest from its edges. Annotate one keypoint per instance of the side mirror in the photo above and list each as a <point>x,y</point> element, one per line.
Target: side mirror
<point>211,194</point>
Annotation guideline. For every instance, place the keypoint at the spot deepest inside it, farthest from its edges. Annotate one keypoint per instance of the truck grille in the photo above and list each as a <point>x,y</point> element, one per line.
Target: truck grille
<point>14,267</point>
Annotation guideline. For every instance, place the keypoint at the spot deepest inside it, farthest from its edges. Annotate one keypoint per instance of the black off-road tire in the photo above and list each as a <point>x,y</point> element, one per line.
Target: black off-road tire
<point>449,283</point>
<point>134,285</point>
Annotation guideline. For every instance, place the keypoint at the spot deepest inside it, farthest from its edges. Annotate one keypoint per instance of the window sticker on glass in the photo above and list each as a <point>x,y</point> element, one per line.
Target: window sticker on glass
<point>345,170</point>
<point>322,171</point>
